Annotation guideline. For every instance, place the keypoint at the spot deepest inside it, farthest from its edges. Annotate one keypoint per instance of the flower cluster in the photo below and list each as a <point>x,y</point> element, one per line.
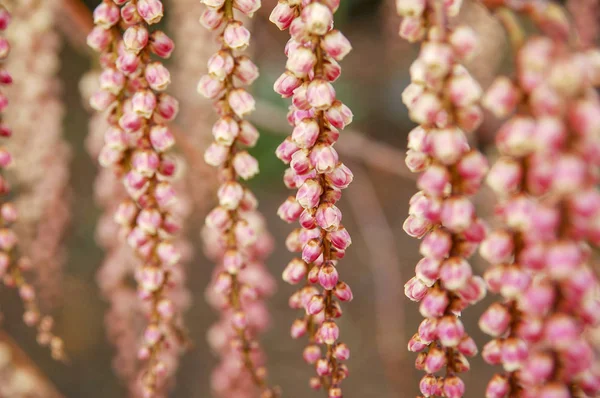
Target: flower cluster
<point>546,179</point>
<point>132,86</point>
<point>42,172</point>
<point>316,172</point>
<point>235,235</point>
<point>12,262</point>
<point>443,99</point>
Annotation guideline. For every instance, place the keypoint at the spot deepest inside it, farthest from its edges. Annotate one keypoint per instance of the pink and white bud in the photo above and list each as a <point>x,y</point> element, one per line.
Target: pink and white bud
<point>343,292</point>
<point>436,245</point>
<point>245,165</point>
<point>246,71</point>
<point>436,360</point>
<point>305,133</point>
<point>457,213</point>
<point>106,15</point>
<point>216,154</point>
<point>161,138</point>
<point>434,304</point>
<point>241,102</point>
<point>150,10</point>
<point>112,80</point>
<point>455,273</point>
<point>309,194</point>
<point>248,7</point>
<point>157,76</point>
<point>323,158</point>
<point>161,44</point>
<point>151,278</point>
<point>495,320</point>
<point>317,18</point>
<point>454,387</point>
<point>501,97</point>
<point>415,289</point>
<point>450,331</point>
<point>464,42</point>
<point>329,332</point>
<point>143,103</point>
<point>282,15</point>
<point>102,100</point>
<point>412,29</point>
<point>320,94</point>
<point>236,36</point>
<point>328,217</point>
<point>312,250</point>
<point>136,38</point>
<point>99,39</point>
<point>221,64</point>
<point>328,277</point>
<point>449,145</point>
<point>336,45</point>
<point>230,195</point>
<point>301,61</point>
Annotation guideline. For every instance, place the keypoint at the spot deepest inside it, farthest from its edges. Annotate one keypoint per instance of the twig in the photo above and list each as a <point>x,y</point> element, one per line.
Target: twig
<point>382,257</point>
<point>269,117</point>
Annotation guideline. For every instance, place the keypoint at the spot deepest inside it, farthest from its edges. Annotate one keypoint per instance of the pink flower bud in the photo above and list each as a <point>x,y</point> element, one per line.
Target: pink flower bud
<point>298,328</point>
<point>129,14</point>
<point>99,39</point>
<point>328,217</point>
<point>416,227</point>
<point>450,331</point>
<point>436,360</point>
<point>128,63</point>
<point>290,210</point>
<point>515,137</point>
<point>246,71</point>
<point>216,154</point>
<point>282,15</point>
<point>495,320</point>
<point>230,194</point>
<point>454,387</point>
<point>505,176</point>
<point>434,180</point>
<point>286,84</point>
<point>157,76</point>
<point>343,292</point>
<point>412,29</point>
<point>457,213</point>
<point>305,133</point>
<point>323,158</point>
<point>112,80</point>
<point>151,278</point>
<point>311,353</point>
<point>563,259</point>
<point>497,247</point>
<point>427,270</point>
<point>455,273</point>
<point>514,353</point>
<point>336,45</point>
<point>241,102</point>
<point>328,277</point>
<point>161,44</point>
<point>329,332</point>
<point>464,42</point>
<point>136,38</point>
<point>415,289</point>
<point>248,7</point>
<point>436,245</point>
<point>102,100</point>
<point>150,10</point>
<point>167,107</point>
<point>311,251</point>
<point>245,165</point>
<point>323,367</point>
<point>449,145</point>
<point>106,15</point>
<point>221,64</point>
<point>211,18</point>
<point>320,94</point>
<point>340,239</point>
<point>434,304</point>
<point>315,305</point>
<point>498,387</point>
<point>143,103</point>
<point>295,272</point>
<point>425,109</point>
<point>162,138</point>
<point>309,194</point>
<point>410,8</point>
<point>501,97</point>
<point>233,261</point>
<point>301,61</point>
<point>236,36</point>
<point>317,18</point>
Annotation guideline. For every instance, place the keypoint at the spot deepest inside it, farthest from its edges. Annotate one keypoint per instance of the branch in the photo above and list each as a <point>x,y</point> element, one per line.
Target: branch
<point>376,154</point>
<point>382,257</point>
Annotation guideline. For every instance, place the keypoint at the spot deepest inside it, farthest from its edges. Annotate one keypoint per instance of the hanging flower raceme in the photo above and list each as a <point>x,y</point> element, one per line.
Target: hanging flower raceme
<point>235,235</point>
<point>547,181</point>
<point>12,263</point>
<point>136,145</point>
<point>316,172</point>
<point>443,100</point>
<point>41,175</point>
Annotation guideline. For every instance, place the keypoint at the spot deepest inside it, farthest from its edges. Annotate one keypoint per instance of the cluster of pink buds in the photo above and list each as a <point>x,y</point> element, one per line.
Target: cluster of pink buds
<point>132,86</point>
<point>443,99</point>
<point>546,179</point>
<point>317,117</point>
<point>12,263</point>
<point>235,235</point>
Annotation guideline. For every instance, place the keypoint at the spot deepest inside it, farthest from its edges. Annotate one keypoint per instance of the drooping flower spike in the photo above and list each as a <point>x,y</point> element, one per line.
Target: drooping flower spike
<point>41,175</point>
<point>13,264</point>
<point>235,234</point>
<point>549,207</point>
<point>443,99</point>
<point>317,117</point>
<point>132,94</point>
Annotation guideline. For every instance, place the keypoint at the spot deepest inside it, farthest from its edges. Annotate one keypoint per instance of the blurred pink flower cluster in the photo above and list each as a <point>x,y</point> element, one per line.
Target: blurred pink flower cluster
<point>131,94</point>
<point>235,234</point>
<point>443,99</point>
<point>317,116</point>
<point>13,264</point>
<point>549,211</point>
<point>42,175</point>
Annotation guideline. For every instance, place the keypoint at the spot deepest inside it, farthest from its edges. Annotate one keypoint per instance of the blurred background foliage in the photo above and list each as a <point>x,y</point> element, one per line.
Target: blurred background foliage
<point>376,324</point>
